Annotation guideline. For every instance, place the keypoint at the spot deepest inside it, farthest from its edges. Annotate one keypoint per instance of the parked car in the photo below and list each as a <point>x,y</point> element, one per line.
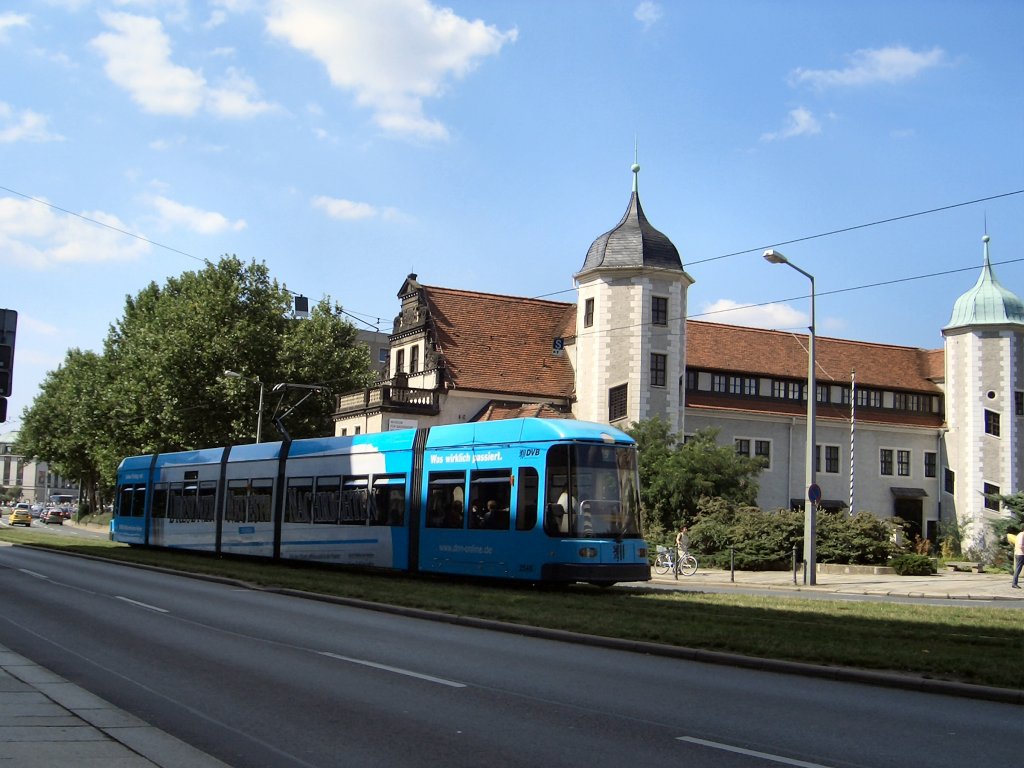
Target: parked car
<point>52,515</point>
<point>20,516</point>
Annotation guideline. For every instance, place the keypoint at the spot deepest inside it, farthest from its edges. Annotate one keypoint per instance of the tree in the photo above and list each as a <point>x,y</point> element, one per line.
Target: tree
<point>66,424</point>
<point>675,476</point>
<point>159,384</point>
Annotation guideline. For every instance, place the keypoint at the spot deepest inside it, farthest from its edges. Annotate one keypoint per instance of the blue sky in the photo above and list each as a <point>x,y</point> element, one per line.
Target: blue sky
<point>485,145</point>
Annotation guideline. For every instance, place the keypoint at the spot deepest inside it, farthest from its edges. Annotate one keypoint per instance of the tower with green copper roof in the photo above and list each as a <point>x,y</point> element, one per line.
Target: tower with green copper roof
<point>984,354</point>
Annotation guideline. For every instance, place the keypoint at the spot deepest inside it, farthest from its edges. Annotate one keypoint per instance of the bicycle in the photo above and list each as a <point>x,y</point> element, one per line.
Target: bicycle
<point>666,561</point>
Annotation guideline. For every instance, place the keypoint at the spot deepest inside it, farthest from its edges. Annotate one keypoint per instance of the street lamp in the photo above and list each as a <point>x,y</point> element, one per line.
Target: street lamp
<point>259,417</point>
<point>810,532</point>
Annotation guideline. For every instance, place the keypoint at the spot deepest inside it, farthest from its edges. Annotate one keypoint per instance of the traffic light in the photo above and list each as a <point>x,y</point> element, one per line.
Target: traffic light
<point>8,326</point>
<point>3,409</point>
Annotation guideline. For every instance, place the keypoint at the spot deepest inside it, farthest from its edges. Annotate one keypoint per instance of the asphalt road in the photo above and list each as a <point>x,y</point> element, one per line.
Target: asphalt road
<point>262,679</point>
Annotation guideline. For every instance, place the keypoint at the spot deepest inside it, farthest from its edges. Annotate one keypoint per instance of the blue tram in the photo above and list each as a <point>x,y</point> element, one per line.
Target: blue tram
<point>542,500</point>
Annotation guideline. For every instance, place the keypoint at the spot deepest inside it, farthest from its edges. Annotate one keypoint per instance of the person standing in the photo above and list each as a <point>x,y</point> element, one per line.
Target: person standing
<point>1018,559</point>
<point>682,547</point>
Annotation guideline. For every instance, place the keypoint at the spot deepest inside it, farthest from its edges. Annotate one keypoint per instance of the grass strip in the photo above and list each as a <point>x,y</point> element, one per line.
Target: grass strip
<point>970,644</point>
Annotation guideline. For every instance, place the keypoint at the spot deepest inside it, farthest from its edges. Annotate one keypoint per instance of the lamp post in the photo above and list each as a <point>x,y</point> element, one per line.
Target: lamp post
<point>259,417</point>
<point>810,528</point>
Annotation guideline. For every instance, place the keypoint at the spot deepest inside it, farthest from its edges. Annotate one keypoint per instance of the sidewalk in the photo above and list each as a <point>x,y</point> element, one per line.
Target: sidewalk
<point>47,721</point>
<point>943,585</point>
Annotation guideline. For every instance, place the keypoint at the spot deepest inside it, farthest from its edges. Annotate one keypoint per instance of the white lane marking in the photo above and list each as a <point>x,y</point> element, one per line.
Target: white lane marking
<point>142,605</point>
<point>396,670</point>
<point>33,573</point>
<point>750,752</point>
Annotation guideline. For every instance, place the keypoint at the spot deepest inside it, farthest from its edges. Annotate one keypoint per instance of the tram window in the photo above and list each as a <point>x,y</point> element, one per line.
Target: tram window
<point>176,502</point>
<point>389,500</point>
<point>237,501</point>
<point>327,501</point>
<point>446,500</point>
<point>207,500</point>
<point>260,496</point>
<point>490,492</point>
<point>160,500</point>
<point>248,501</point>
<point>133,501</point>
<point>355,501</point>
<point>299,500</point>
<point>526,503</point>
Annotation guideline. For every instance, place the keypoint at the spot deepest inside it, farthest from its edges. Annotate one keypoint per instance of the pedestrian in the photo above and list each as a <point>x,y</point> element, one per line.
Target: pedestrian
<point>682,543</point>
<point>1018,559</point>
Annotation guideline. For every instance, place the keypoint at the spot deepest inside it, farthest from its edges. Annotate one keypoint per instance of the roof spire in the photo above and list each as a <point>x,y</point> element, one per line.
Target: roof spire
<point>635,168</point>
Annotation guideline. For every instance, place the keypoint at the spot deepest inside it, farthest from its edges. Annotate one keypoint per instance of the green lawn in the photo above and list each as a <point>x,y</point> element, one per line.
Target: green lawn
<point>977,645</point>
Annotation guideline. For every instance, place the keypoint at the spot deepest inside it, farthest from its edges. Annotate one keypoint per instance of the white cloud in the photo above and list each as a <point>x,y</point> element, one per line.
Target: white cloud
<point>347,210</point>
<point>138,54</point>
<point>9,21</point>
<point>772,316</point>
<point>25,125</point>
<point>393,54</point>
<point>647,13</point>
<point>237,96</point>
<point>868,66</point>
<point>799,122</point>
<point>35,235</point>
<point>138,59</point>
<point>204,222</point>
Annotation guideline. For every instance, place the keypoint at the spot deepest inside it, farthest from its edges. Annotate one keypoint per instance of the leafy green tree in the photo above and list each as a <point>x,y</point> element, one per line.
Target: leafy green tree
<point>65,425</point>
<point>675,476</point>
<point>160,386</point>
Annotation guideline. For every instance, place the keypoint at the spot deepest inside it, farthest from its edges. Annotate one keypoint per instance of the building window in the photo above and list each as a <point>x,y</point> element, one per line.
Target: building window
<point>832,459</point>
<point>691,379</point>
<point>929,463</point>
<point>742,446</point>
<point>903,463</point>
<point>742,385</point>
<point>822,392</point>
<point>617,402</point>
<point>414,359</point>
<point>885,461</point>
<point>1018,403</point>
<point>915,403</point>
<point>382,355</point>
<point>992,423</point>
<point>788,390</point>
<point>719,382</point>
<point>588,313</point>
<point>400,361</point>
<point>763,449</point>
<point>659,310</point>
<point>659,364</point>
<point>869,398</point>
<point>991,496</point>
<point>949,480</point>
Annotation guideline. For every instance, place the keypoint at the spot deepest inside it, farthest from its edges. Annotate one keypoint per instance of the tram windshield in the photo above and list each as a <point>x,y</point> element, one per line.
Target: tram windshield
<point>592,492</point>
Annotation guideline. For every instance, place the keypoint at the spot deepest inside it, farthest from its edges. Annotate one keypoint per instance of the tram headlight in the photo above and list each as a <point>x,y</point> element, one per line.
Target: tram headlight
<point>588,551</point>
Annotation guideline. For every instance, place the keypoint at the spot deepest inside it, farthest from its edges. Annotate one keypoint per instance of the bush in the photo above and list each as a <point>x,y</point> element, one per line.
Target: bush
<point>913,565</point>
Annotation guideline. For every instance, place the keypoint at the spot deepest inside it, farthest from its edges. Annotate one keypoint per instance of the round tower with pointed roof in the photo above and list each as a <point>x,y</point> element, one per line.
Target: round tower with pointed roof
<point>630,350</point>
<point>984,355</point>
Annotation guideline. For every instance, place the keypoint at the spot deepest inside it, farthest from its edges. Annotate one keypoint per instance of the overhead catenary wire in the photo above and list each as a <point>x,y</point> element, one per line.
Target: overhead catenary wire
<point>757,249</point>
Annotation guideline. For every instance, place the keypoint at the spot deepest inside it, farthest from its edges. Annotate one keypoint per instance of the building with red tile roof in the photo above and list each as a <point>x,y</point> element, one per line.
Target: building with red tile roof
<point>927,435</point>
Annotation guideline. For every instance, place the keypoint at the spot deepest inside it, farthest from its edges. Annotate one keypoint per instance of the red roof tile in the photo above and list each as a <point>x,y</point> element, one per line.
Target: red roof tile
<point>720,347</point>
<point>494,343</point>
